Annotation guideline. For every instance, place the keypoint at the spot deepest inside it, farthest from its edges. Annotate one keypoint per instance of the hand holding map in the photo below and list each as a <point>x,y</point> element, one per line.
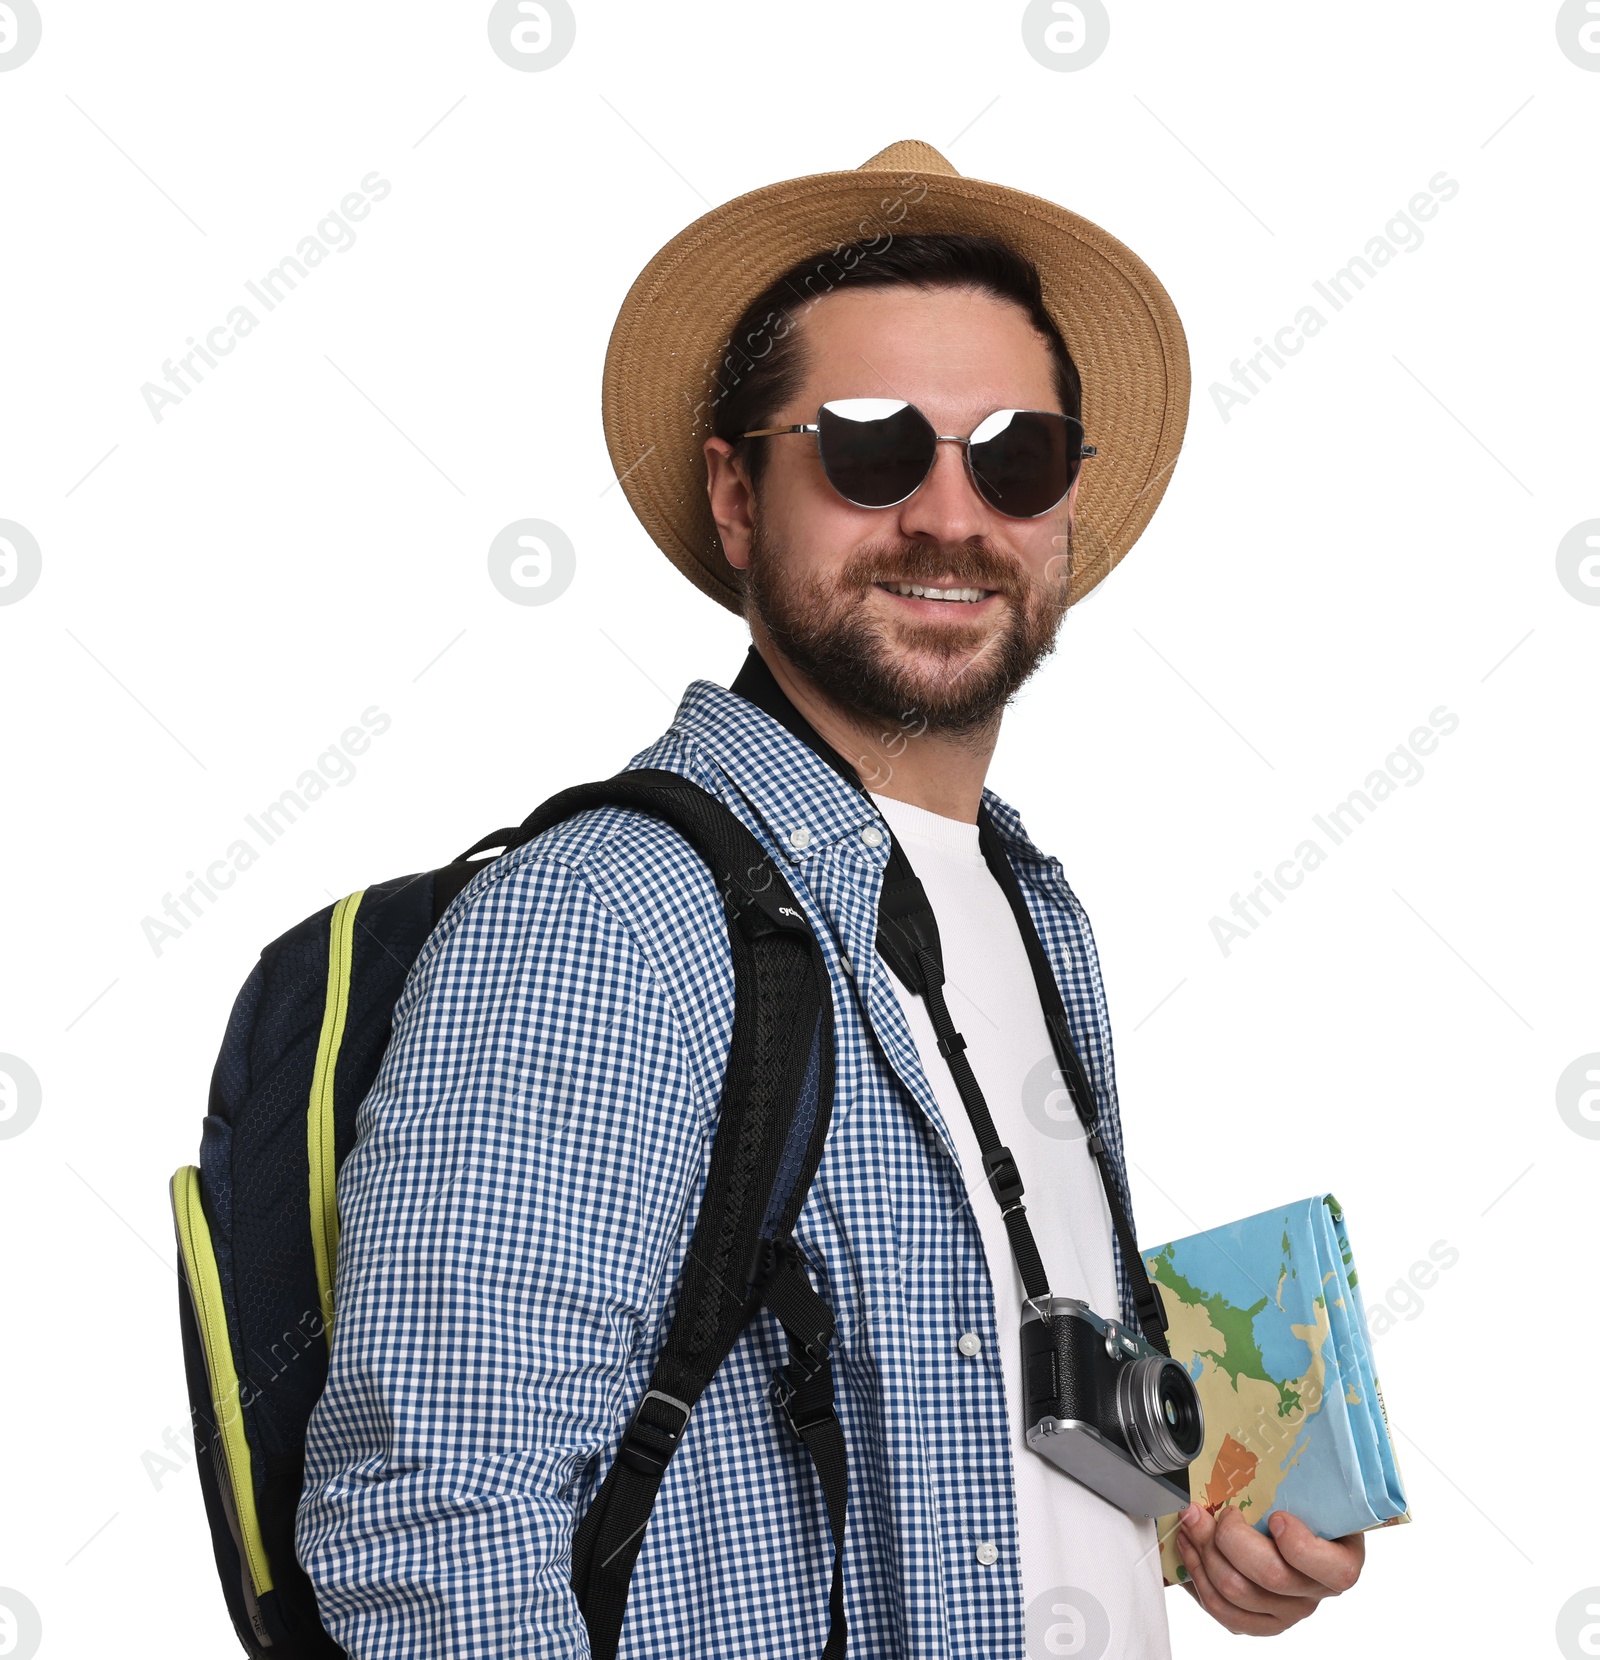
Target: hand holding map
<point>1267,1316</point>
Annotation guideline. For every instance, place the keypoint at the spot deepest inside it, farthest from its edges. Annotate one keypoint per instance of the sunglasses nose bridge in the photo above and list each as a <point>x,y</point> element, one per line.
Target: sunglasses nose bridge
<point>947,506</point>
<point>965,445</point>
<point>966,460</point>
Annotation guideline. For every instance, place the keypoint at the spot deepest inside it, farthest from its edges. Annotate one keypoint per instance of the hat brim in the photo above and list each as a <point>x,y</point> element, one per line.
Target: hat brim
<point>672,335</point>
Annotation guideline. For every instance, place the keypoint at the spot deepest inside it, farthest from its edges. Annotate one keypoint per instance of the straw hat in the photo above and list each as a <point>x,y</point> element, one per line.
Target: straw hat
<point>672,335</point>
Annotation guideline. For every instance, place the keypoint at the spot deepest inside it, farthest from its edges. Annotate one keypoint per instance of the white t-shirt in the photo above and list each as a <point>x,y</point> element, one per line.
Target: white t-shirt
<point>1091,1573</point>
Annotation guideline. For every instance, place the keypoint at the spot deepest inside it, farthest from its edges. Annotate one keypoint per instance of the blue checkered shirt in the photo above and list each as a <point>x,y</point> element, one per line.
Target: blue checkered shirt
<point>516,1212</point>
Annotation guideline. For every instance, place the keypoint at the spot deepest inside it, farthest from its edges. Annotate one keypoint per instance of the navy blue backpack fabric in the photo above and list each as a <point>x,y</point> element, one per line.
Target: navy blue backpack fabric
<point>251,1292</point>
<point>255,1182</point>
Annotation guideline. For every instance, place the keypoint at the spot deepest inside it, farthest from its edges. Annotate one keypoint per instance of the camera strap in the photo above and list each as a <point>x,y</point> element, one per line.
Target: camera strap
<point>908,940</point>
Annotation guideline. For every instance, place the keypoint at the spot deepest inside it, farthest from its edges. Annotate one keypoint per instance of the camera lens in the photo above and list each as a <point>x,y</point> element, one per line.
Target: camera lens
<point>1180,1407</point>
<point>1158,1412</point>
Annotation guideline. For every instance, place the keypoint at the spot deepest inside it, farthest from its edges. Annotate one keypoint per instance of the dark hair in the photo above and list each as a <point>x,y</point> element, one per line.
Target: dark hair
<point>763,361</point>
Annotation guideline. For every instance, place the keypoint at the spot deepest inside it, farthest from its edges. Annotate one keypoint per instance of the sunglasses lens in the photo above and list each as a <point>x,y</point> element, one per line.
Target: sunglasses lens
<point>875,451</point>
<point>1024,460</point>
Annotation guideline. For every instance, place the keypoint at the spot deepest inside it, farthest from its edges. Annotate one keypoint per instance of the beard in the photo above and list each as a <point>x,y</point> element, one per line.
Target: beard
<point>950,677</point>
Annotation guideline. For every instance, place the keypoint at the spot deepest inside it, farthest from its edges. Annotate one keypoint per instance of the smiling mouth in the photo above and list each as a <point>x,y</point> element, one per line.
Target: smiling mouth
<point>921,590</point>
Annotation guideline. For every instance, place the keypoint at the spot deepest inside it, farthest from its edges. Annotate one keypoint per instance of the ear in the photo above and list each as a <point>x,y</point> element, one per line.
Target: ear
<point>732,501</point>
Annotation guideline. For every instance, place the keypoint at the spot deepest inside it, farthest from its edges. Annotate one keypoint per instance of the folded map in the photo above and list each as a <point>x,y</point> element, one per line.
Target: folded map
<point>1266,1316</point>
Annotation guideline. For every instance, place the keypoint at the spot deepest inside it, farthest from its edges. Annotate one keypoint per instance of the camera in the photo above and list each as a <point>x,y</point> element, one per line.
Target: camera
<point>1108,1408</point>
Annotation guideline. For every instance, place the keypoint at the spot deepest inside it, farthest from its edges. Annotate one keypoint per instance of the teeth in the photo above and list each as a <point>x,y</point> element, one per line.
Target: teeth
<point>916,590</point>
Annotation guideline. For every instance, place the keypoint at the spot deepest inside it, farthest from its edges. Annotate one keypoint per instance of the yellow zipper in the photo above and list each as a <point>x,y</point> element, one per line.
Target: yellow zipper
<point>205,1292</point>
<point>319,1116</point>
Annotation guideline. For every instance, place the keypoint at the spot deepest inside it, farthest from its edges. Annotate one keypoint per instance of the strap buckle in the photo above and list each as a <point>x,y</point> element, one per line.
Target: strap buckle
<point>1004,1177</point>
<point>1152,1315</point>
<point>646,1448</point>
<point>785,1392</point>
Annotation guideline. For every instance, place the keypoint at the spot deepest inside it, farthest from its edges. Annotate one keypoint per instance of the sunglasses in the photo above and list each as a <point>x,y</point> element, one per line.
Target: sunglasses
<point>877,452</point>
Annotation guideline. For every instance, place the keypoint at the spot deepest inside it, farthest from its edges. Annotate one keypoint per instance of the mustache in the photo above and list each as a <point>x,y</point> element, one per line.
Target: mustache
<point>965,564</point>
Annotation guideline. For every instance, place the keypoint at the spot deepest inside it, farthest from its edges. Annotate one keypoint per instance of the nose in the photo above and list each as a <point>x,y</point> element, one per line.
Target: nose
<point>945,508</point>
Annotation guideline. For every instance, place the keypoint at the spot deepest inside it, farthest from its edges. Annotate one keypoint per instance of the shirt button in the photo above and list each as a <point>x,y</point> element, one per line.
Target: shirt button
<point>970,1344</point>
<point>800,838</point>
<point>872,836</point>
<point>988,1553</point>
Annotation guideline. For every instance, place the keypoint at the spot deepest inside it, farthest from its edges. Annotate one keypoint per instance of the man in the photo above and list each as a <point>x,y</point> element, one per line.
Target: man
<point>891,496</point>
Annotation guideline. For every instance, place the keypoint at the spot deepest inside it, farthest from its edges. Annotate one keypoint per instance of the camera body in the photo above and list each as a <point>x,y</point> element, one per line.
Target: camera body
<point>1108,1408</point>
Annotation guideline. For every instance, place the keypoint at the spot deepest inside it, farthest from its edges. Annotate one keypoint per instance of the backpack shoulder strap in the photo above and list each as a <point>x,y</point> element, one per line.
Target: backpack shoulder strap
<point>776,1101</point>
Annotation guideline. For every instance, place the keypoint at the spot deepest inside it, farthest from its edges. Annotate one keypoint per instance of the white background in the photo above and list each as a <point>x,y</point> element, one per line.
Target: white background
<point>304,536</point>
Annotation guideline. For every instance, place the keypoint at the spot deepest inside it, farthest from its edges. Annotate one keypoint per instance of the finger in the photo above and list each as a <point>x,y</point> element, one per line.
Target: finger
<point>1244,1592</point>
<point>1335,1564</point>
<point>1196,1524</point>
<point>1257,1557</point>
<point>1241,1589</point>
<point>1241,1621</point>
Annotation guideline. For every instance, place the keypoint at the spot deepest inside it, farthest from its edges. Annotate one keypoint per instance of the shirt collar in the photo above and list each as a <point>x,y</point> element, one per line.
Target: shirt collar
<point>815,790</point>
<point>805,794</point>
<point>757,684</point>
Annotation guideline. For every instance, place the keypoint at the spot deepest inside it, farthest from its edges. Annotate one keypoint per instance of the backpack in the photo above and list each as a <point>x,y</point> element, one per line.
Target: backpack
<point>258,1228</point>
